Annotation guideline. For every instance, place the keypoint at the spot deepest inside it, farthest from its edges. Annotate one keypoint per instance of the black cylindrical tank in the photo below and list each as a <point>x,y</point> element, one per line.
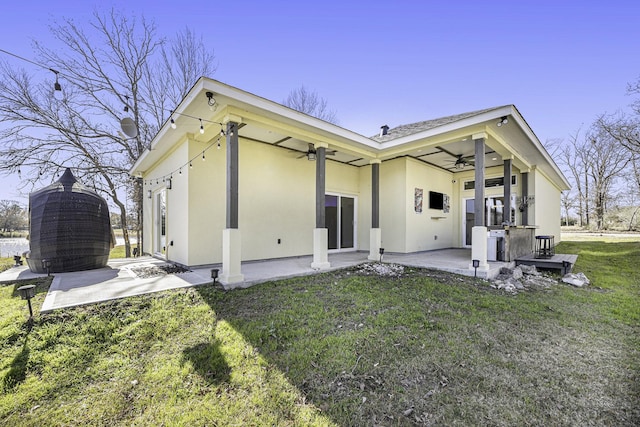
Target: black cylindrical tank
<point>69,228</point>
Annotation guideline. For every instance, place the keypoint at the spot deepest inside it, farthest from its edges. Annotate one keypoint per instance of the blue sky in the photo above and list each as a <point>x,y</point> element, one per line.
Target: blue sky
<point>561,63</point>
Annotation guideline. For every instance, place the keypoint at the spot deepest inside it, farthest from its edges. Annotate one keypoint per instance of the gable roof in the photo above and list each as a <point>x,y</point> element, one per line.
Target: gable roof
<point>414,128</point>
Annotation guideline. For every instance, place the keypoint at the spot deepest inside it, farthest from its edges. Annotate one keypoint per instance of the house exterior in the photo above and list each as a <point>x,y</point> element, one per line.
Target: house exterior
<point>234,177</point>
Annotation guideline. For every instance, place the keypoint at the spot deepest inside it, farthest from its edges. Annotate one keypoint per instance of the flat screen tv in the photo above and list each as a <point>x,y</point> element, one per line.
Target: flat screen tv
<point>436,200</point>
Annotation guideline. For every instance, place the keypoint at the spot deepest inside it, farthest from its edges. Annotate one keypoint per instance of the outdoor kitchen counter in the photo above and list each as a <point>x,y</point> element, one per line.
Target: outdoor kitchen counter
<point>517,241</point>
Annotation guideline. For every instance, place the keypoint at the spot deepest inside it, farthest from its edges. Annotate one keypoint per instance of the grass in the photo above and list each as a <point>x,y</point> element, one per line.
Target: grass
<point>341,348</point>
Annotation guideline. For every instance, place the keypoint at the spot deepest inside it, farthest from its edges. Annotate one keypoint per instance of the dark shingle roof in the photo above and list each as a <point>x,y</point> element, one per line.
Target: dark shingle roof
<point>413,128</point>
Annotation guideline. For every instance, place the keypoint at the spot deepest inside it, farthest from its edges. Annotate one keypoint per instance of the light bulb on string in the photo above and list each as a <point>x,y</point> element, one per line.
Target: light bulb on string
<point>218,145</point>
<point>190,165</point>
<point>203,159</point>
<point>201,127</point>
<point>57,89</point>
<point>173,123</point>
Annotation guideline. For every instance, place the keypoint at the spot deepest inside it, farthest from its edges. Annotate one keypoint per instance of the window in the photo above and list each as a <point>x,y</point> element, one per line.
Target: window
<point>490,182</point>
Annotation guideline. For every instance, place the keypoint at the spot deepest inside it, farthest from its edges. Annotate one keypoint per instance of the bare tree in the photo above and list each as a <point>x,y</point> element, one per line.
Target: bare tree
<point>608,161</point>
<point>111,68</point>
<point>567,200</point>
<point>309,102</point>
<point>575,158</point>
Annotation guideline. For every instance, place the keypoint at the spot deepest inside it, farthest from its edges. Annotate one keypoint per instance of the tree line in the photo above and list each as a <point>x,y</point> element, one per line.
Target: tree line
<point>13,217</point>
<point>603,165</point>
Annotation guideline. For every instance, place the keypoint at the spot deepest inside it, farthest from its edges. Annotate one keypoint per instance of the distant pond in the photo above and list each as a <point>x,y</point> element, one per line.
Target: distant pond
<point>17,246</point>
<point>10,247</point>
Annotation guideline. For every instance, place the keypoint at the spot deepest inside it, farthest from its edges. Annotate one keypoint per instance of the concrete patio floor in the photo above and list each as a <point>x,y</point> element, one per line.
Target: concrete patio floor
<point>119,278</point>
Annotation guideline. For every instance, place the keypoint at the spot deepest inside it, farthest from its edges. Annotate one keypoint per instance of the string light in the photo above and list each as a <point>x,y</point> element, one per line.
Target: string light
<point>59,94</point>
<point>57,89</point>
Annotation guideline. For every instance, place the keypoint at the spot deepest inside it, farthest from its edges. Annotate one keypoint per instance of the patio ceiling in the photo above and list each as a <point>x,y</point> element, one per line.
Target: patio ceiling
<point>454,156</point>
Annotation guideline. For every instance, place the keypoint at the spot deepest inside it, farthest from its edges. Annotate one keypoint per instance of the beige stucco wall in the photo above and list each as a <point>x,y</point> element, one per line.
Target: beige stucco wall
<point>207,202</point>
<point>547,206</point>
<point>431,229</point>
<point>404,230</point>
<point>276,202</point>
<point>393,205</point>
<point>176,220</point>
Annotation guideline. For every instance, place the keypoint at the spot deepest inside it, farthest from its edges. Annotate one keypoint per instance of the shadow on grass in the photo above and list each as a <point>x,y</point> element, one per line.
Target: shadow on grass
<point>208,361</point>
<point>18,371</point>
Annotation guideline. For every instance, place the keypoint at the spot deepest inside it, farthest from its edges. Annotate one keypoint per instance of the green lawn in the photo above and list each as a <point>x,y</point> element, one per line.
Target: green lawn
<point>341,348</point>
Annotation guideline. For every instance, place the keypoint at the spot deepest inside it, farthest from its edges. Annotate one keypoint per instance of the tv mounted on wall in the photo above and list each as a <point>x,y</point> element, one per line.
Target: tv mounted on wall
<point>436,200</point>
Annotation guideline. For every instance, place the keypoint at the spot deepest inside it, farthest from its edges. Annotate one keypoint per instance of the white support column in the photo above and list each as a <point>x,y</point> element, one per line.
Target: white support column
<point>375,243</point>
<point>231,257</point>
<point>479,247</point>
<point>320,249</point>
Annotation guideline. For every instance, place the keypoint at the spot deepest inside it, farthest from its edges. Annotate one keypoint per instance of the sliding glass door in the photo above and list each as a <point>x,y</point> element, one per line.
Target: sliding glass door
<point>340,214</point>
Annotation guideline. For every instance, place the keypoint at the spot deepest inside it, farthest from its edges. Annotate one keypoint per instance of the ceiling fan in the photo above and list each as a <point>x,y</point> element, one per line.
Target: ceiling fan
<point>462,161</point>
<point>311,153</point>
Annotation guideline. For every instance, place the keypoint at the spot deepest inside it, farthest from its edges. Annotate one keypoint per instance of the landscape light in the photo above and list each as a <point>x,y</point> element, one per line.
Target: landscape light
<point>27,292</point>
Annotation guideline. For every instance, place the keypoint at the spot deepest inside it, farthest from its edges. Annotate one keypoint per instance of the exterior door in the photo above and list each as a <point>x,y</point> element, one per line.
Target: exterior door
<point>340,214</point>
<point>161,224</point>
<point>469,220</point>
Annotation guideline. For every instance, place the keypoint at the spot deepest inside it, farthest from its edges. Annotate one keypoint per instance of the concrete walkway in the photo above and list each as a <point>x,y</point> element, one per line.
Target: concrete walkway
<point>120,279</point>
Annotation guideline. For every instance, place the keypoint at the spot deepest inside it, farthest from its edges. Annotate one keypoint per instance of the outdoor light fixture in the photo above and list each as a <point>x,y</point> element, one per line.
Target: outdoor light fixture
<point>476,264</point>
<point>381,251</point>
<point>459,165</point>
<point>201,127</point>
<point>27,292</point>
<point>214,274</point>
<point>311,156</point>
<point>503,121</point>
<point>210,99</point>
